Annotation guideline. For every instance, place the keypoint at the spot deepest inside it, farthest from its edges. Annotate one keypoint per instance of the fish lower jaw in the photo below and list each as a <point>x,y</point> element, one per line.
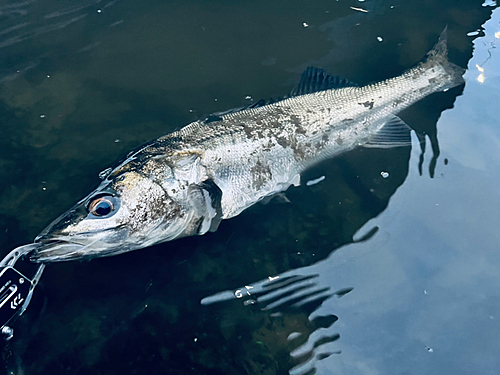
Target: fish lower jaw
<point>58,251</point>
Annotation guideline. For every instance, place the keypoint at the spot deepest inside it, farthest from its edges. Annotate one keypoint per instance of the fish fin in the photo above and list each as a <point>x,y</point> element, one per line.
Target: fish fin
<point>206,198</point>
<point>394,133</point>
<point>438,56</point>
<point>315,79</point>
<point>215,194</point>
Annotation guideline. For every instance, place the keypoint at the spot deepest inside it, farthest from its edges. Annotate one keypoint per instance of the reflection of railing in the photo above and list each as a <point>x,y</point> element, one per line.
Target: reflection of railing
<point>290,303</point>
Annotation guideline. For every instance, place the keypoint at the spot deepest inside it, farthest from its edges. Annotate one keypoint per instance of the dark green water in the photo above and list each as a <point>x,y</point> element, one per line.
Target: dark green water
<point>83,83</point>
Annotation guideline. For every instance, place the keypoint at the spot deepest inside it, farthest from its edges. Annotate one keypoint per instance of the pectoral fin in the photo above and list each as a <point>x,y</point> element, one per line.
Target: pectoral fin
<point>206,199</point>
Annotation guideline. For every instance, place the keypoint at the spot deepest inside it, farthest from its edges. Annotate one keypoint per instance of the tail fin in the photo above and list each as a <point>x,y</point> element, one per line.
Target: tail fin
<point>438,56</point>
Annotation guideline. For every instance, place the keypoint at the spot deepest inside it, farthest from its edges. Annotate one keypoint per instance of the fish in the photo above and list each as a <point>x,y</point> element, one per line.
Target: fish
<point>186,182</point>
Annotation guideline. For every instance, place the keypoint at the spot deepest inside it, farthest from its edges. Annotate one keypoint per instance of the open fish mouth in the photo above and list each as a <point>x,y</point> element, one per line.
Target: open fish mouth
<point>56,251</point>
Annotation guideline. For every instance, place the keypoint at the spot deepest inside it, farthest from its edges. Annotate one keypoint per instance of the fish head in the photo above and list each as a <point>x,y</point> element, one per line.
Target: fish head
<point>128,211</point>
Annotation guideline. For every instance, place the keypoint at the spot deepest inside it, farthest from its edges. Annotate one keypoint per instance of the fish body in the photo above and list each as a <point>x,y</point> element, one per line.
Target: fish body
<point>184,183</point>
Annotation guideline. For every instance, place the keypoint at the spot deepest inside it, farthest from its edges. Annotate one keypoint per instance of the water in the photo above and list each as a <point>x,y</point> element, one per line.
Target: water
<point>387,266</point>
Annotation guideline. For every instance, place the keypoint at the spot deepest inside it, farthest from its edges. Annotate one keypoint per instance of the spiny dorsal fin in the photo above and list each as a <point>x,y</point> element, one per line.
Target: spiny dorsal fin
<point>315,79</point>
<point>394,133</point>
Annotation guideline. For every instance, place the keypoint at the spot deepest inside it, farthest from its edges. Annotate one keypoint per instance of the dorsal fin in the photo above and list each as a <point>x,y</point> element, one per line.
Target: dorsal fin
<point>315,79</point>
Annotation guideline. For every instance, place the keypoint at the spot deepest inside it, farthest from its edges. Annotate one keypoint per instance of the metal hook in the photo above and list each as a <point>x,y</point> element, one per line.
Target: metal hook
<point>16,290</point>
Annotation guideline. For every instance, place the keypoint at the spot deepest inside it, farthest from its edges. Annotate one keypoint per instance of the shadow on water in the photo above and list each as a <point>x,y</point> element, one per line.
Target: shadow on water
<point>121,74</point>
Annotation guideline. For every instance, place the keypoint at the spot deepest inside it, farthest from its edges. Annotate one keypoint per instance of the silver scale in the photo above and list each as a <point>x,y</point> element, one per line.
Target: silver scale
<point>16,289</point>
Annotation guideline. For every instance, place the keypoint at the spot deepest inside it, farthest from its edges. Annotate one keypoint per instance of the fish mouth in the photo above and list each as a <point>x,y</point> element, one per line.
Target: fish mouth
<point>84,246</point>
<point>57,251</point>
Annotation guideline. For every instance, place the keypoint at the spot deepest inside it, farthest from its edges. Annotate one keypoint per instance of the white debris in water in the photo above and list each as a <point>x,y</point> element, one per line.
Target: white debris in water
<point>48,76</point>
<point>480,78</point>
<point>384,174</point>
<point>429,349</point>
<point>273,278</point>
<point>195,339</point>
<point>473,33</point>
<point>497,35</point>
<point>359,9</point>
<point>248,97</point>
<point>44,188</point>
<point>315,181</point>
<point>215,99</point>
<point>305,24</point>
<point>42,116</point>
<point>379,38</point>
<point>361,1</point>
<point>117,140</point>
<point>425,291</point>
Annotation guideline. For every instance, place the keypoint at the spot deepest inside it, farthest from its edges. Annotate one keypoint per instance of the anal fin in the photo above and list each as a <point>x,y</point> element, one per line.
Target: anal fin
<point>394,133</point>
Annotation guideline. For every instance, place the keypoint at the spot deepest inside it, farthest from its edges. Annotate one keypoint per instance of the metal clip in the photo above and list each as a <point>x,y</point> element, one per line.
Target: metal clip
<point>16,289</point>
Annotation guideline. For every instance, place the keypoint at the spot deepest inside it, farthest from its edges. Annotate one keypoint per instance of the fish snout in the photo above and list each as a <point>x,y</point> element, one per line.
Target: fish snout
<point>56,251</point>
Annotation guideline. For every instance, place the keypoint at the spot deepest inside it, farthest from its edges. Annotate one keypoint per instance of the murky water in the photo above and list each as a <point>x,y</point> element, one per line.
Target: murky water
<point>387,266</point>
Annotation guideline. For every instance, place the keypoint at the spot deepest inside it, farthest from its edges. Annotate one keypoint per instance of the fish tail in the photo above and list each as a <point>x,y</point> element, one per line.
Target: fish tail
<point>437,57</point>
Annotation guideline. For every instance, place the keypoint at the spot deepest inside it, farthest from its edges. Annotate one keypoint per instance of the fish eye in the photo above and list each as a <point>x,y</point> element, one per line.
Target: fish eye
<point>101,205</point>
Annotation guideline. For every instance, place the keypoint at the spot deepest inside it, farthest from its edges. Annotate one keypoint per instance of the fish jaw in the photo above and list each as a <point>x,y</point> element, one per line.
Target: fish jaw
<point>57,251</point>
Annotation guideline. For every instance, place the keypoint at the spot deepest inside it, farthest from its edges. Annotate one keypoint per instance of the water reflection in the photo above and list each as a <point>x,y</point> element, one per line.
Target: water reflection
<point>289,303</point>
<point>388,276</point>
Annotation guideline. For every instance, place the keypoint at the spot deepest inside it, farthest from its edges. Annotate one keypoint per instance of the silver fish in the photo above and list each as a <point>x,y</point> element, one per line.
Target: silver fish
<point>184,183</point>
